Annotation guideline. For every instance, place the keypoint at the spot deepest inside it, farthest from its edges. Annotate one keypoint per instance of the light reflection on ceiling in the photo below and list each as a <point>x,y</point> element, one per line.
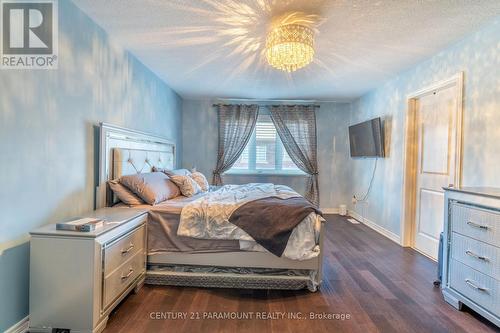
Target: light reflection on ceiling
<point>215,48</point>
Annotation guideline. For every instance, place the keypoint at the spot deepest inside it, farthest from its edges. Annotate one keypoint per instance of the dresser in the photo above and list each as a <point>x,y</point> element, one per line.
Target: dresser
<point>77,278</point>
<point>471,260</point>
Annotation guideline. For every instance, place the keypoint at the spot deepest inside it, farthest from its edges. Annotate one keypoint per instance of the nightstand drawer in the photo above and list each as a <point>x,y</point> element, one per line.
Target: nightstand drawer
<point>120,279</point>
<point>478,223</point>
<point>120,251</point>
<point>478,255</point>
<point>479,288</point>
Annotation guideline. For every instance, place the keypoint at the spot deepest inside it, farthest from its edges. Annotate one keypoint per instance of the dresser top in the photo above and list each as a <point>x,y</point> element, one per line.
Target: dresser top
<point>113,217</point>
<point>493,192</point>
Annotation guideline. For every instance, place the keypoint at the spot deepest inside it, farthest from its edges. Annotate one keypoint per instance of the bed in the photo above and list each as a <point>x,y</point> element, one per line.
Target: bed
<point>186,261</point>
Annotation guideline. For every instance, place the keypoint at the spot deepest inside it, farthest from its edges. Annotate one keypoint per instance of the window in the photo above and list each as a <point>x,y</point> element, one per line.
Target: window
<point>264,152</point>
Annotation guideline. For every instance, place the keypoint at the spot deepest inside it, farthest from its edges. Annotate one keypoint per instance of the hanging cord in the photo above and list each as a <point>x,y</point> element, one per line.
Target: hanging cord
<point>369,186</point>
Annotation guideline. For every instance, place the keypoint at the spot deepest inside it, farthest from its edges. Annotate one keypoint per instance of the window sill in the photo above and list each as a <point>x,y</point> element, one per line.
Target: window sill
<point>265,173</point>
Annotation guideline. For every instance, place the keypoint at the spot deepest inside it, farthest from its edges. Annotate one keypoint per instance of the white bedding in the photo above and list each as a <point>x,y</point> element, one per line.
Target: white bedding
<point>208,218</point>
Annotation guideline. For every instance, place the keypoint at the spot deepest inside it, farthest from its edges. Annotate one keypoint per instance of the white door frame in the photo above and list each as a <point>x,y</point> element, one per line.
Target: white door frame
<point>410,152</point>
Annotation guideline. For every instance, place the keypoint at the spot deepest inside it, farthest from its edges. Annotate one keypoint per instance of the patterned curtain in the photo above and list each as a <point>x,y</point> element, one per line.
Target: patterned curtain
<point>236,124</point>
<point>296,126</point>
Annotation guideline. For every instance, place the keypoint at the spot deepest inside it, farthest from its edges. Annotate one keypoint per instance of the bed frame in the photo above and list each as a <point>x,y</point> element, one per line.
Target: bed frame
<point>124,151</point>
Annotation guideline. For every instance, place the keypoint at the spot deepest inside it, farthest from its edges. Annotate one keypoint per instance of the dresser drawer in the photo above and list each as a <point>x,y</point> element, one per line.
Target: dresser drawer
<point>121,278</point>
<point>478,223</point>
<point>478,287</point>
<point>120,251</point>
<point>482,257</point>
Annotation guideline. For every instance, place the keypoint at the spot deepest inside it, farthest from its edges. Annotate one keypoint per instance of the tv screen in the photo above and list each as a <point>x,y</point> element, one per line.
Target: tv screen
<point>366,139</point>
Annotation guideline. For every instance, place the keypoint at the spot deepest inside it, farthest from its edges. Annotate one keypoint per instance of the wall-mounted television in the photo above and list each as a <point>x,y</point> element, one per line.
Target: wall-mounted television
<point>367,139</point>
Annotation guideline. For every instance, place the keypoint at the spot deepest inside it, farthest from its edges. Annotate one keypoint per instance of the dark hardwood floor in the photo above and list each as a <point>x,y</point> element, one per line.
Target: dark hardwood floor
<point>380,285</point>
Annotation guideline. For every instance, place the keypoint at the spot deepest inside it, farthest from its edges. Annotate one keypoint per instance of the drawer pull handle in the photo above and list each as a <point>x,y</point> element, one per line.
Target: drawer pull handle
<point>130,272</point>
<point>470,283</point>
<point>128,249</point>
<point>472,254</point>
<point>479,226</point>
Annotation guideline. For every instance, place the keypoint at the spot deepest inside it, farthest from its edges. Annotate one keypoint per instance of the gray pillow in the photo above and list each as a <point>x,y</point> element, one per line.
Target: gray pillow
<point>124,194</point>
<point>153,187</point>
<point>168,172</point>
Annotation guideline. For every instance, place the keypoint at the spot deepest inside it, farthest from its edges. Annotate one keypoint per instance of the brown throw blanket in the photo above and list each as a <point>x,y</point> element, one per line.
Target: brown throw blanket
<point>270,221</point>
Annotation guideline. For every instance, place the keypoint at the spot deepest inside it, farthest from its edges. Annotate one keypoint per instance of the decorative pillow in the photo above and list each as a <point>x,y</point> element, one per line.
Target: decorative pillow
<point>200,179</point>
<point>153,187</point>
<point>124,194</point>
<point>186,184</point>
<point>168,172</point>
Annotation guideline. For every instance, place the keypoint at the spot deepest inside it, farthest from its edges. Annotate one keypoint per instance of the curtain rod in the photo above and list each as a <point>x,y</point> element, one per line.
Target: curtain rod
<point>315,105</point>
<point>268,100</point>
<point>278,100</point>
<point>275,100</point>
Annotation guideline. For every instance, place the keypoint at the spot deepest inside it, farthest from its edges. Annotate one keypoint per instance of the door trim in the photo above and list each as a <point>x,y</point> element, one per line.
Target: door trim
<point>410,152</point>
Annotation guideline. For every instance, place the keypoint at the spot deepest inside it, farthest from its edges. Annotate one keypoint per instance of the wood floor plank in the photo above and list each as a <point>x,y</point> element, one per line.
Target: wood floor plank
<point>381,286</point>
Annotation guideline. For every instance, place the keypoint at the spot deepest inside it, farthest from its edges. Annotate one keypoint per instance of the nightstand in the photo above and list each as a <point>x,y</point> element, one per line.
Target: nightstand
<point>77,278</point>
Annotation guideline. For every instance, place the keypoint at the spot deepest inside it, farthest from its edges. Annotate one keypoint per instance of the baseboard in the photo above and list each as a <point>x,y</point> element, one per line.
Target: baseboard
<point>330,210</point>
<point>381,230</point>
<point>21,327</point>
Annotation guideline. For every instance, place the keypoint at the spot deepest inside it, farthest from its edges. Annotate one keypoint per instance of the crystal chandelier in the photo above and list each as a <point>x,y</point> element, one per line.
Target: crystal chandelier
<point>290,47</point>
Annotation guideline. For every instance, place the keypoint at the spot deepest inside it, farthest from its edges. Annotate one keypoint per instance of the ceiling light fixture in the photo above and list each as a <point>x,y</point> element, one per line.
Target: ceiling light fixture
<point>290,46</point>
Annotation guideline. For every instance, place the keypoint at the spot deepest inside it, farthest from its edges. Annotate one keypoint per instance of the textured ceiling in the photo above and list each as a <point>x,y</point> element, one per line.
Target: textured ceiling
<point>213,48</point>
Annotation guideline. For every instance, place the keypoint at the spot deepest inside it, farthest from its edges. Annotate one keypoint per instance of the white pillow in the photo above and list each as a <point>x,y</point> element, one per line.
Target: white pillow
<point>186,184</point>
<point>200,179</point>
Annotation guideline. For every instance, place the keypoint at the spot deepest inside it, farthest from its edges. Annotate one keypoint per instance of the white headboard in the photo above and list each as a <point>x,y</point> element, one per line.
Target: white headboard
<point>123,151</point>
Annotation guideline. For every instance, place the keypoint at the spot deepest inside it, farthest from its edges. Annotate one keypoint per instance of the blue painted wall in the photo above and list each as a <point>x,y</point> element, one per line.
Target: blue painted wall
<point>340,176</point>
<point>48,142</point>
<point>478,56</point>
<point>200,139</point>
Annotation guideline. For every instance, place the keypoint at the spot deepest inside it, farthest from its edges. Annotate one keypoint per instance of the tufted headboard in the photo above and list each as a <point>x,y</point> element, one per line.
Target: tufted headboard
<point>130,161</point>
<point>123,152</point>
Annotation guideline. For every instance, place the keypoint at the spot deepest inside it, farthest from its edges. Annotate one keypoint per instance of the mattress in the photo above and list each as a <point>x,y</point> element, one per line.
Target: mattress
<point>163,221</point>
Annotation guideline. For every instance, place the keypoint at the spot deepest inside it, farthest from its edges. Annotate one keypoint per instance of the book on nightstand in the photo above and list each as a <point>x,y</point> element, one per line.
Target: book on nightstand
<point>84,225</point>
